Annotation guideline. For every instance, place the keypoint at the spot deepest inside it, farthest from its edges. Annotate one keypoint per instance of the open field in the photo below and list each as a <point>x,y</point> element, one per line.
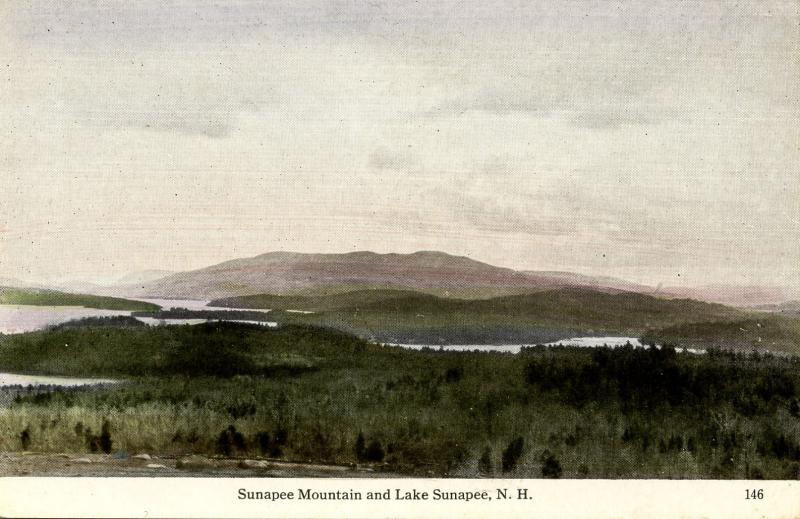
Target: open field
<point>312,395</point>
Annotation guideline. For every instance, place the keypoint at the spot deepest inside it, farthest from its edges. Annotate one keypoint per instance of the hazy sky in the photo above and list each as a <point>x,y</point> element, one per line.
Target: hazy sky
<point>657,141</point>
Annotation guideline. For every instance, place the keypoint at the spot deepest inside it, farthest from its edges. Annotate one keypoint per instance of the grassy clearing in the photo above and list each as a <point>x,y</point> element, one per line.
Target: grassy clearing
<point>309,394</point>
<point>12,296</point>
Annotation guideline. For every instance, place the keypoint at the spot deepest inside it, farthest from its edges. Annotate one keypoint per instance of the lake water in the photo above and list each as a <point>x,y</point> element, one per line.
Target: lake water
<point>11,379</point>
<point>27,318</point>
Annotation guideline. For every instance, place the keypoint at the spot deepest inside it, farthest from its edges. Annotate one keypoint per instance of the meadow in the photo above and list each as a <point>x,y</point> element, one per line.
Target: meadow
<point>311,394</point>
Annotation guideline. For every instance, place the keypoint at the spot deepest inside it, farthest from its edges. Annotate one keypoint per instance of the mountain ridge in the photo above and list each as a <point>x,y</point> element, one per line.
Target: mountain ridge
<point>298,273</point>
<point>284,272</point>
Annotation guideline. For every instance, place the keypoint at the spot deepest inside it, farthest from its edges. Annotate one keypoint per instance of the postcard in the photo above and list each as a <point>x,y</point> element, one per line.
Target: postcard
<point>400,259</point>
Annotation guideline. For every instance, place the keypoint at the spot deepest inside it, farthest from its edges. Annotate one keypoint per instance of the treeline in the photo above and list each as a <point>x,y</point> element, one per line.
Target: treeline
<point>116,321</point>
<point>658,377</point>
<point>184,313</point>
<point>117,348</point>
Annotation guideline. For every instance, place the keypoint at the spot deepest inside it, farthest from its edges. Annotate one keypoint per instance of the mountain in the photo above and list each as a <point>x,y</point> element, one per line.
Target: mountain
<point>108,287</point>
<point>294,273</point>
<point>600,283</point>
<point>438,273</point>
<point>77,286</point>
<point>787,308</point>
<point>318,303</point>
<point>143,276</point>
<point>19,283</point>
<point>733,295</point>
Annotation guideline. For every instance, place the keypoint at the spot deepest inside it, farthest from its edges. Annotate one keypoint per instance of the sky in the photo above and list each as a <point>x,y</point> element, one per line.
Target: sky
<point>655,141</point>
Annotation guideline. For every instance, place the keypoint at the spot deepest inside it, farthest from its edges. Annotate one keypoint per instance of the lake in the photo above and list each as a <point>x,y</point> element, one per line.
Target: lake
<point>25,318</point>
<point>191,304</point>
<point>28,318</point>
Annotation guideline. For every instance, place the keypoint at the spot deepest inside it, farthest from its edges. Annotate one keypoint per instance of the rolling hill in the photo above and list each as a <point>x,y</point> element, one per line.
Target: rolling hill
<point>404,316</point>
<point>285,273</point>
<point>775,333</point>
<point>39,297</point>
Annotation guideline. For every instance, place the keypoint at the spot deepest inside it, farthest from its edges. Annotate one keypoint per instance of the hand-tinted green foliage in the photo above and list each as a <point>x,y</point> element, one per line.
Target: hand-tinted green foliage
<point>231,441</point>
<point>485,465</point>
<point>216,389</point>
<point>14,296</point>
<point>101,442</point>
<point>360,448</point>
<point>314,303</point>
<point>217,348</point>
<point>264,440</point>
<point>651,378</point>
<point>374,452</point>
<point>25,438</point>
<point>116,321</point>
<point>406,316</point>
<point>512,454</point>
<point>551,468</point>
<point>766,332</point>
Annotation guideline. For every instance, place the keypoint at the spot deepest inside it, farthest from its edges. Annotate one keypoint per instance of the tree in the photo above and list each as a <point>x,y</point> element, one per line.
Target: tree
<point>511,454</point>
<point>360,447</point>
<point>551,468</point>
<point>485,462</point>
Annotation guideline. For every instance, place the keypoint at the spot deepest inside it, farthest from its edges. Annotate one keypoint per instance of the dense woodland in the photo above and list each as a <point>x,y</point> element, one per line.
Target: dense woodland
<point>305,393</point>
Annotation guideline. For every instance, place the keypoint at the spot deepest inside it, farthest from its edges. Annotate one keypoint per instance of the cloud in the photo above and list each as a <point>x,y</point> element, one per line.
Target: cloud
<point>210,124</point>
<point>182,100</point>
<point>213,124</point>
<point>383,158</point>
<point>601,119</point>
<point>588,94</point>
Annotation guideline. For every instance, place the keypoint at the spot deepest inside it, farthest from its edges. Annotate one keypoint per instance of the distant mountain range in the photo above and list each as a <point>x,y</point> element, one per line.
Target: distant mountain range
<point>744,296</point>
<point>787,308</point>
<point>284,273</point>
<point>89,287</point>
<point>608,284</point>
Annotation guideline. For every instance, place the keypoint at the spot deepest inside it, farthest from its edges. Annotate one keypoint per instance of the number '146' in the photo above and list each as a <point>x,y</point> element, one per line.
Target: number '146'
<point>753,493</point>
